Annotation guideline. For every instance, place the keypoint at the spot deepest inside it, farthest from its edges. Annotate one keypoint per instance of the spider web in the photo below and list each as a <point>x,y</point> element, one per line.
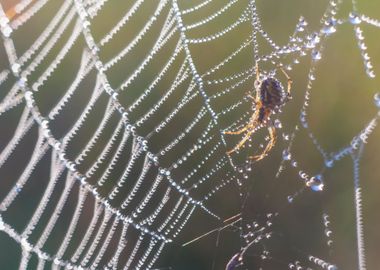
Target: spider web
<point>115,121</point>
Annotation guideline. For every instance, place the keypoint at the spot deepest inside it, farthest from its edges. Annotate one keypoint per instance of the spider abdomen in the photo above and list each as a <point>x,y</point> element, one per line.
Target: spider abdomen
<point>271,93</point>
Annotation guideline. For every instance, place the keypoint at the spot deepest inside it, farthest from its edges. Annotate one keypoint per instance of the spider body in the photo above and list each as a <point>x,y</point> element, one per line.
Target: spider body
<point>271,93</point>
<point>270,96</point>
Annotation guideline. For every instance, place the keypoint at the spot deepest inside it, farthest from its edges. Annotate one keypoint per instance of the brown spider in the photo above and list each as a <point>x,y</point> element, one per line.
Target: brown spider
<point>270,96</point>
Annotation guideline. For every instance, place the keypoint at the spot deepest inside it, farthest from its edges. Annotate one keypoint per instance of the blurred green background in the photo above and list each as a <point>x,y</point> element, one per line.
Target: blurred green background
<point>341,105</point>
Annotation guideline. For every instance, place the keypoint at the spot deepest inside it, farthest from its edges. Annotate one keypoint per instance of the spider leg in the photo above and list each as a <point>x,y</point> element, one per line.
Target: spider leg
<point>251,125</point>
<point>290,81</point>
<point>271,143</point>
<point>241,143</point>
<point>257,72</point>
<point>237,132</point>
<point>251,97</point>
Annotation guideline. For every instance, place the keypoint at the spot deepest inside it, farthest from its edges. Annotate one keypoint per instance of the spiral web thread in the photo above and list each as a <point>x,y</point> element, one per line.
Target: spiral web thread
<point>163,176</point>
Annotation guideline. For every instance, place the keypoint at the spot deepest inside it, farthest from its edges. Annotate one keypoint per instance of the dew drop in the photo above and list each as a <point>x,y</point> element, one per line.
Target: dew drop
<point>248,168</point>
<point>370,73</point>
<point>16,67</point>
<point>316,55</point>
<point>310,45</point>
<point>303,175</point>
<point>368,65</point>
<point>22,82</point>
<point>277,123</point>
<point>363,47</point>
<point>315,38</point>
<point>300,28</point>
<point>329,163</point>
<point>57,261</point>
<point>302,21</point>
<point>2,225</point>
<point>26,245</point>
<point>359,34</point>
<point>377,99</point>
<point>354,18</point>
<point>329,26</point>
<point>18,188</point>
<point>316,183</point>
<point>303,120</point>
<point>7,31</point>
<point>286,155</point>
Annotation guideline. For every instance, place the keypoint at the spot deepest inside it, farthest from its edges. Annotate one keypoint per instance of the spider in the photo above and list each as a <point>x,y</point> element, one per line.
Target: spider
<point>270,97</point>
